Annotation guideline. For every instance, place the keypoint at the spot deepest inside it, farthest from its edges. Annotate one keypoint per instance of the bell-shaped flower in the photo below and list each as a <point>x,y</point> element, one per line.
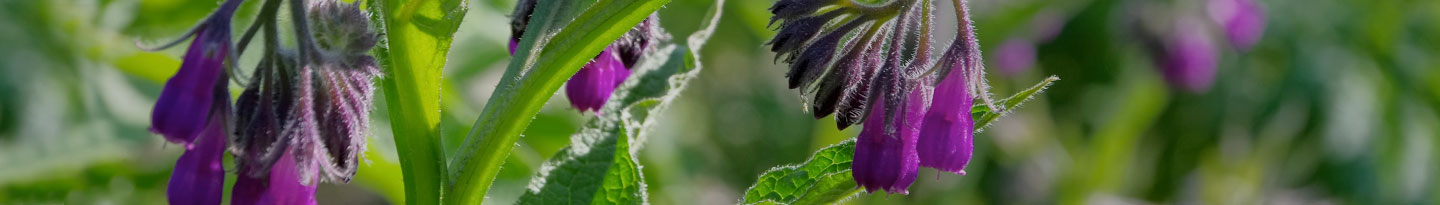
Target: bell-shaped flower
<point>183,110</point>
<point>885,153</point>
<point>192,111</point>
<point>590,87</point>
<point>283,185</point>
<point>946,140</point>
<point>199,175</point>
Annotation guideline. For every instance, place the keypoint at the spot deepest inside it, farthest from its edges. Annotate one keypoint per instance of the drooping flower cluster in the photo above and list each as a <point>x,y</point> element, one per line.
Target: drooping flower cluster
<point>590,87</point>
<point>870,62</point>
<point>301,119</point>
<point>1183,44</point>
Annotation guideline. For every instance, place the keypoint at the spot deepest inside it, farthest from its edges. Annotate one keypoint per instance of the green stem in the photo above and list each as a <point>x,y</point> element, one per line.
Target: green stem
<point>517,100</point>
<point>412,95</point>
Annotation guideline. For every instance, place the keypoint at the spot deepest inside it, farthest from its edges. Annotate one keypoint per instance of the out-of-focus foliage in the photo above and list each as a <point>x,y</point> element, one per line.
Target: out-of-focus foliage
<point>1337,102</point>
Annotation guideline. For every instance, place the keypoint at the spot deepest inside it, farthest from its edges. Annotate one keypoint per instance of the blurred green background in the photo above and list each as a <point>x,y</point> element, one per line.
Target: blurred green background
<point>1339,102</point>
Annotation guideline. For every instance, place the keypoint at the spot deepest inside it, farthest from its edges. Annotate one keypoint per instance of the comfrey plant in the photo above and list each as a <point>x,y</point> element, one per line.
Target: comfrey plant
<point>916,111</point>
<point>869,62</point>
<point>300,120</point>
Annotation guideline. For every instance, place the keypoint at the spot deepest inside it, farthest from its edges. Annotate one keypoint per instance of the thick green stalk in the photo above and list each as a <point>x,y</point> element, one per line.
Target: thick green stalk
<point>530,81</point>
<point>417,37</point>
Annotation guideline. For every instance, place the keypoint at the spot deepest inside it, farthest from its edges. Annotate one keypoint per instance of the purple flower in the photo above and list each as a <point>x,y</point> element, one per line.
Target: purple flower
<point>885,159</point>
<point>592,85</point>
<point>1243,21</point>
<point>199,175</point>
<point>283,185</point>
<point>184,106</point>
<point>946,140</point>
<point>885,78</point>
<point>192,111</point>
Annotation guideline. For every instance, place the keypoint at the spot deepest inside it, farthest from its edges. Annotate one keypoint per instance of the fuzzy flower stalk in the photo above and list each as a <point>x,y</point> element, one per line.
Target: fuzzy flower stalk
<point>300,120</point>
<point>870,63</point>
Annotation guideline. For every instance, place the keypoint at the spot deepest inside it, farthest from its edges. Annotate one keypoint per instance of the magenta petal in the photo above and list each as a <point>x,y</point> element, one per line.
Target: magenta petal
<point>884,161</point>
<point>283,186</point>
<point>592,85</point>
<point>181,111</point>
<point>199,175</point>
<point>946,140</point>
<point>513,45</point>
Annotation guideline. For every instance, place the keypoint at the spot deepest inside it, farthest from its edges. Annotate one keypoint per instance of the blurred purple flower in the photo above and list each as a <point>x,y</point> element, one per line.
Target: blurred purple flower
<point>282,186</point>
<point>1016,56</point>
<point>592,85</point>
<point>1189,58</point>
<point>1243,21</point>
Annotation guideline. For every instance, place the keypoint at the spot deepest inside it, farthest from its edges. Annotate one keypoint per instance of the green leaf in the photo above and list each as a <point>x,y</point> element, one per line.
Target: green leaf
<point>599,167</point>
<point>825,178</point>
<point>417,35</point>
<point>557,43</point>
<point>984,115</point>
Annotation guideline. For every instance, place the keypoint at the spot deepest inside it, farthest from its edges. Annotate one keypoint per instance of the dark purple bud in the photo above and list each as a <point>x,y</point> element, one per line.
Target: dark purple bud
<point>519,19</point>
<point>589,88</point>
<point>853,105</point>
<point>318,110</point>
<point>832,87</point>
<point>1243,21</point>
<point>887,160</point>
<point>946,139</point>
<point>185,103</point>
<point>634,43</point>
<point>1015,56</point>
<point>282,186</point>
<point>815,58</point>
<point>266,114</point>
<point>340,29</point>
<point>787,9</point>
<point>794,34</point>
<point>199,175</point>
